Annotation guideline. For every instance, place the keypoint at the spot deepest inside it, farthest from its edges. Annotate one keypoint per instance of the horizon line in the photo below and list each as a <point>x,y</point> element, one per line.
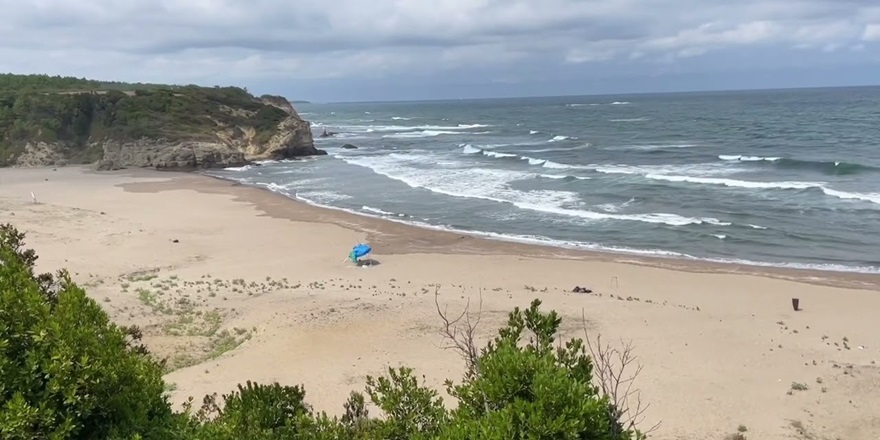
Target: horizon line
<point>678,92</point>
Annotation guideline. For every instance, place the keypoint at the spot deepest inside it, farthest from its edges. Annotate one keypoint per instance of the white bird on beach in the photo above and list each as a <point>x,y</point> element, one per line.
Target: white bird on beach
<point>34,197</point>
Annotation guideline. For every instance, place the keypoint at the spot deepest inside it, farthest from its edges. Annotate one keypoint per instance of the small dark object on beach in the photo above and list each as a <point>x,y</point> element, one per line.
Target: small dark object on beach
<point>579,289</point>
<point>103,213</point>
<point>175,241</point>
<point>795,304</point>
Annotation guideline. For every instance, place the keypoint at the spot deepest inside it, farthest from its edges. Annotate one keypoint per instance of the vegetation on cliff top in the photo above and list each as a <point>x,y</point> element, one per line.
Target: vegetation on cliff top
<point>66,371</point>
<point>78,113</point>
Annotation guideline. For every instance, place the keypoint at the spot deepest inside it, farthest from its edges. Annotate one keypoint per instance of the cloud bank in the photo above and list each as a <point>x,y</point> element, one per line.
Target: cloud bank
<point>470,41</point>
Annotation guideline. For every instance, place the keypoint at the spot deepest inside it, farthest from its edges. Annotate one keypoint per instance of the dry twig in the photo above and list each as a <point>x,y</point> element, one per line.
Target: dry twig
<point>460,333</point>
<point>614,373</point>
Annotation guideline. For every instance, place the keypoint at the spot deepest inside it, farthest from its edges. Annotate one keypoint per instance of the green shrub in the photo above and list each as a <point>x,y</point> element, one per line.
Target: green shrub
<point>65,370</point>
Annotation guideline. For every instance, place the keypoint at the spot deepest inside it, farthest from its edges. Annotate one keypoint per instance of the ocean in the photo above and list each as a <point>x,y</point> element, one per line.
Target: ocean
<point>787,178</point>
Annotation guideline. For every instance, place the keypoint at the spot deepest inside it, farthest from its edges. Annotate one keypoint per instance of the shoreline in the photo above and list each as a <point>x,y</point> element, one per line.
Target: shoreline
<point>444,241</point>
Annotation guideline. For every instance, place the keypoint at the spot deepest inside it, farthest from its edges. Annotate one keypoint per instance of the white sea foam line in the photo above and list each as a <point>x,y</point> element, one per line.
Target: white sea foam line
<point>560,138</point>
<point>429,133</point>
<point>748,158</point>
<point>407,128</point>
<point>650,147</point>
<point>492,185</point>
<point>642,119</point>
<point>734,183</point>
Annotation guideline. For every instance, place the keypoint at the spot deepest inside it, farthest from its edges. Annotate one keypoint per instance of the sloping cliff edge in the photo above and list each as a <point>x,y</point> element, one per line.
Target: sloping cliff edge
<point>234,146</point>
<point>54,121</point>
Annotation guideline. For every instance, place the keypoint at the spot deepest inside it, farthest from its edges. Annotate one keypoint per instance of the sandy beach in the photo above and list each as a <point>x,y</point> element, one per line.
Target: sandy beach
<point>233,283</point>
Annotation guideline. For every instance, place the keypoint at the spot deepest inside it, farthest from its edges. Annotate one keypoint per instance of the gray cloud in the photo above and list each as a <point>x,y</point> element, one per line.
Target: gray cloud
<point>235,40</point>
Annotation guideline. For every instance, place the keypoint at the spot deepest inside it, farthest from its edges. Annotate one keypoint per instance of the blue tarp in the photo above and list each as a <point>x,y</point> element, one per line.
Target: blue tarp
<point>359,251</point>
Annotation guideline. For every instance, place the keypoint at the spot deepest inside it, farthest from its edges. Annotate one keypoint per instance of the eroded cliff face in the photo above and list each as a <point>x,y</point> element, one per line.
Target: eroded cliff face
<point>38,154</point>
<point>232,146</point>
<point>293,138</point>
<point>162,155</point>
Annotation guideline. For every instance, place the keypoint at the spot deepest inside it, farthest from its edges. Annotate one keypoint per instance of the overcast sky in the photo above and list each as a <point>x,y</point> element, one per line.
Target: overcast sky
<point>353,50</point>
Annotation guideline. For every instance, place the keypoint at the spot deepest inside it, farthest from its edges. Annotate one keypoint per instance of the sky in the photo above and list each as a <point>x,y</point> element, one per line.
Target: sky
<point>375,50</point>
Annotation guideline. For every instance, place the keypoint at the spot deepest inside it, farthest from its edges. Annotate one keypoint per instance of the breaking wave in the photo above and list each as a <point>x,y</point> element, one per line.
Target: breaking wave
<point>492,185</point>
<point>833,168</point>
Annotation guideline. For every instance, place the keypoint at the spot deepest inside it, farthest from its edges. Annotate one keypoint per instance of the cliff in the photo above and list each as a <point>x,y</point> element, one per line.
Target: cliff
<point>55,121</point>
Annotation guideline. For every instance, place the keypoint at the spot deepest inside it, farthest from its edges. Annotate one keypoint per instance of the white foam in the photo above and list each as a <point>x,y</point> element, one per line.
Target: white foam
<point>556,165</point>
<point>561,138</point>
<point>615,207</point>
<point>666,175</point>
<point>865,197</point>
<point>422,134</point>
<point>561,176</point>
<point>692,170</point>
<point>642,119</point>
<point>534,131</point>
<point>493,185</point>
<point>242,168</point>
<point>757,226</point>
<point>470,149</point>
<point>734,183</point>
<point>407,128</point>
<point>620,103</point>
<point>323,196</point>
<point>548,150</point>
<point>651,147</point>
<point>376,210</point>
<point>498,155</point>
<point>720,236</point>
<point>400,118</point>
<point>748,158</point>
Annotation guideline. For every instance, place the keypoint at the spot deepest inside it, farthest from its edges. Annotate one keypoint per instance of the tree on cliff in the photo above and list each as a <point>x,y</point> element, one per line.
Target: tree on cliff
<point>78,113</point>
<point>66,371</point>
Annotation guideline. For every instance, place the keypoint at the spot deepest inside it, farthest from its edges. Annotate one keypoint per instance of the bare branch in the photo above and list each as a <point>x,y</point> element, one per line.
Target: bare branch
<point>614,374</point>
<point>461,336</point>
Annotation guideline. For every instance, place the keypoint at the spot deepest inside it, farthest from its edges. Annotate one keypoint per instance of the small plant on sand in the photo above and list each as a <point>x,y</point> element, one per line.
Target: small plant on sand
<point>226,341</point>
<point>798,386</point>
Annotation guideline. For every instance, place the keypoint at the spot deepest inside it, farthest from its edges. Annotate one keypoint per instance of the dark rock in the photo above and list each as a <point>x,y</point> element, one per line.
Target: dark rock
<point>579,289</point>
<point>175,241</point>
<point>349,147</point>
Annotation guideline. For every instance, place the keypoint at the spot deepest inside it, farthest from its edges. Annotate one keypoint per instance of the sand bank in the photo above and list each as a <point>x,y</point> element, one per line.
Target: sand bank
<point>238,283</point>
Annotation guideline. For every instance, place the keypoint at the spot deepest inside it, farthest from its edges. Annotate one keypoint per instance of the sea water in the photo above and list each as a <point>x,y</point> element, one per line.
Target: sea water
<point>783,178</point>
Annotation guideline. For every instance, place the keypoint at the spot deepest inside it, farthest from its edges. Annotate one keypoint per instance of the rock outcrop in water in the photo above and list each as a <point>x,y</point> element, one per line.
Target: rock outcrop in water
<point>116,125</point>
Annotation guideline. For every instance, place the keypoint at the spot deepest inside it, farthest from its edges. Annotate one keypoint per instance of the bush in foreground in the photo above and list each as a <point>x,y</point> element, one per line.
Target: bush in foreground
<point>66,371</point>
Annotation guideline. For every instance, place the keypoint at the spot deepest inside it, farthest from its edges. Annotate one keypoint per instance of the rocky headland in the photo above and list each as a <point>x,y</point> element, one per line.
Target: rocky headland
<point>54,121</point>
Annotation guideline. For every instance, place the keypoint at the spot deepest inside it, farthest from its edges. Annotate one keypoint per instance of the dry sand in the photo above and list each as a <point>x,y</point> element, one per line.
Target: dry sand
<point>238,284</point>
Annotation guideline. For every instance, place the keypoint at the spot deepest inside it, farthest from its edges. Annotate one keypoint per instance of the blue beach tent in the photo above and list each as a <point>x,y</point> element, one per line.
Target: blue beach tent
<point>358,251</point>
